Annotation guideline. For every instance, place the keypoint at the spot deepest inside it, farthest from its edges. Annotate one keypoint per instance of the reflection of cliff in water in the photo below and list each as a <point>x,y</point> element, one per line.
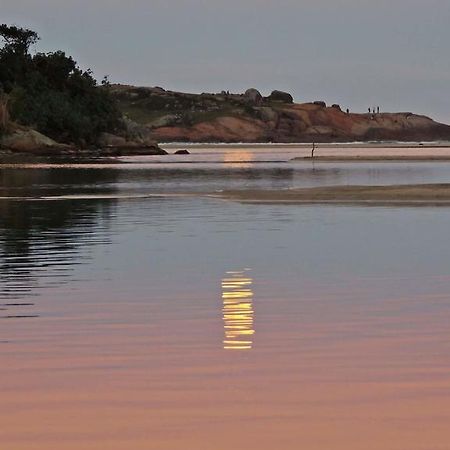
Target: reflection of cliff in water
<point>41,241</point>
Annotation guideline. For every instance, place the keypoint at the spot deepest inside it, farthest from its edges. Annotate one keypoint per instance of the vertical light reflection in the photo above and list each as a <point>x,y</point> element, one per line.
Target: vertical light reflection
<point>240,159</point>
<point>238,314</point>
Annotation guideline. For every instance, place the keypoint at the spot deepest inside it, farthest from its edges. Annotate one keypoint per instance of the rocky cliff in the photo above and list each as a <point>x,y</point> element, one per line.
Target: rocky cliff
<point>250,117</point>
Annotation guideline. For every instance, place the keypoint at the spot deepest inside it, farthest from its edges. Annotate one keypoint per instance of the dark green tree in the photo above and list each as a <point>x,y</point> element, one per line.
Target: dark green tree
<point>51,93</point>
<point>14,56</point>
<point>18,39</point>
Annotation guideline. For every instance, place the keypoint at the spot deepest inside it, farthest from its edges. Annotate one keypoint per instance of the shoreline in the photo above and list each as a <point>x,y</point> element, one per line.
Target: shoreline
<point>288,153</point>
<point>307,145</point>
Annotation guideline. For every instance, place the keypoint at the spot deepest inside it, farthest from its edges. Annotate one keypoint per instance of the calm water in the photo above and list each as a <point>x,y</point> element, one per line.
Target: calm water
<point>182,322</point>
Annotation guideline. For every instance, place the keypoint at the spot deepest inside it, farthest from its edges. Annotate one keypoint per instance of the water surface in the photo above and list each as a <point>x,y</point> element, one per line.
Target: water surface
<point>182,322</point>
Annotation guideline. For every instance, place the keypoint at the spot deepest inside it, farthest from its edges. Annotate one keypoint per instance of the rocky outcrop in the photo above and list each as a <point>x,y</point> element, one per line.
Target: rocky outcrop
<point>166,116</point>
<point>222,129</point>
<point>280,96</point>
<point>134,139</point>
<point>253,97</point>
<point>26,140</point>
<point>31,141</point>
<point>111,144</point>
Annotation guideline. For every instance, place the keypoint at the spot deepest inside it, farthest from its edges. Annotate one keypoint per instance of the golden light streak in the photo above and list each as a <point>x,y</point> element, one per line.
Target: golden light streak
<point>241,159</point>
<point>238,313</point>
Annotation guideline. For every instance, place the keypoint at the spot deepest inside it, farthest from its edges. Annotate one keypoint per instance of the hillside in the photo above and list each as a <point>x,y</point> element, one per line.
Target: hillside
<point>249,117</point>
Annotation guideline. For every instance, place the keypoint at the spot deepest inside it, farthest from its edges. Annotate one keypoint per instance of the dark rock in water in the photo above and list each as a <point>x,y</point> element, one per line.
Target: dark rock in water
<point>280,96</point>
<point>182,152</point>
<point>320,103</point>
<point>253,97</point>
<point>336,106</point>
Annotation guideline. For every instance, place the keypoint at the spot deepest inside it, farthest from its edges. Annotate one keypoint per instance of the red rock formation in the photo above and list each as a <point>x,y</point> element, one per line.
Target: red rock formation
<point>174,116</point>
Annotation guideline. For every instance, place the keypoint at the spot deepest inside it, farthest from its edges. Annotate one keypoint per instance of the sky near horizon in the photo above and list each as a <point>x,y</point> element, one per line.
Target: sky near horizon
<point>393,54</point>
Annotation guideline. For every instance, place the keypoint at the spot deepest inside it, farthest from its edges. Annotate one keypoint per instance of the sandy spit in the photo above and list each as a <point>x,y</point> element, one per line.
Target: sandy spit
<point>420,194</point>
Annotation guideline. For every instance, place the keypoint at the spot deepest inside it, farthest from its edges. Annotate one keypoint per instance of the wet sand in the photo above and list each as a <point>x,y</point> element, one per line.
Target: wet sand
<point>374,158</point>
<point>376,152</point>
<point>394,194</point>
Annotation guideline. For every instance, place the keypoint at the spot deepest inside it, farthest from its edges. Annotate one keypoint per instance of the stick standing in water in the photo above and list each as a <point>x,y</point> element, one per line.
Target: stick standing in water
<point>312,150</point>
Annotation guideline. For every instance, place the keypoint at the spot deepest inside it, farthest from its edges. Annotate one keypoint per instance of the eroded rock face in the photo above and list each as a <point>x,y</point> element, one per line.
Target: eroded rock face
<point>31,141</point>
<point>280,96</point>
<point>222,129</point>
<point>307,123</point>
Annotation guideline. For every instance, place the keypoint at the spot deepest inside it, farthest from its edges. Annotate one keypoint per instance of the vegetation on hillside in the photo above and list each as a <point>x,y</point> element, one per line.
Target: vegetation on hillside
<point>49,92</point>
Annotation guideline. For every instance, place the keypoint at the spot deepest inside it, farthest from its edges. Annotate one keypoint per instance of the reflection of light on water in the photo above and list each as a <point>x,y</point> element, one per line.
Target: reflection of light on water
<point>238,311</point>
<point>241,158</point>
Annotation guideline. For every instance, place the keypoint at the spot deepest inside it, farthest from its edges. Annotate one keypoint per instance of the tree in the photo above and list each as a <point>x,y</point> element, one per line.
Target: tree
<point>18,39</point>
<point>14,56</point>
<point>4,112</point>
<point>51,93</point>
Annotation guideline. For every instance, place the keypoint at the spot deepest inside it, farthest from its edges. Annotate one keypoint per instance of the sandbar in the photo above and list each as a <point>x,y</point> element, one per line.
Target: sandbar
<point>420,194</point>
